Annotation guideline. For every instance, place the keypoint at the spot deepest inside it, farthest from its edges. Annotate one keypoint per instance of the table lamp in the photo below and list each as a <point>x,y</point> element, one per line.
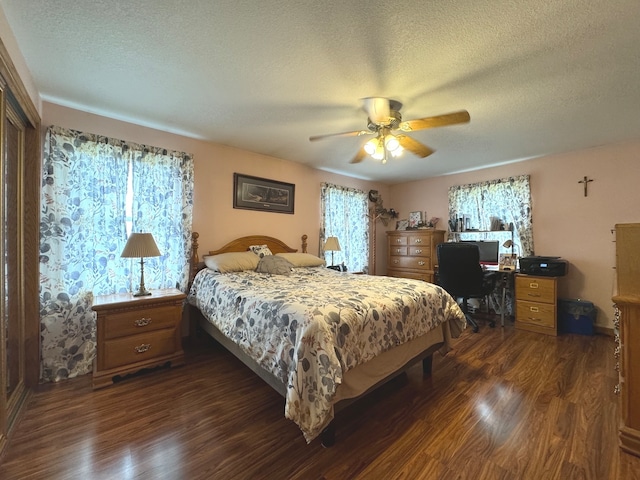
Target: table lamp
<point>141,245</point>
<point>332,245</point>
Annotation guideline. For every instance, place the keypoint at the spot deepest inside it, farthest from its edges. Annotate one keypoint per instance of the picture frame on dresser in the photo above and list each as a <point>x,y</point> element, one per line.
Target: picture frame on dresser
<point>256,193</point>
<point>415,218</point>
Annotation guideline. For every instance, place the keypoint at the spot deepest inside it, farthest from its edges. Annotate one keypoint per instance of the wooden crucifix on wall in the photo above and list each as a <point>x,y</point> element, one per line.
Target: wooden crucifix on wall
<point>586,181</point>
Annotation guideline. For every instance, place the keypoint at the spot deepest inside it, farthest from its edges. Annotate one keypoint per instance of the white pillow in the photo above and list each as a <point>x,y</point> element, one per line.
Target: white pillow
<point>260,250</point>
<point>302,259</point>
<point>232,261</point>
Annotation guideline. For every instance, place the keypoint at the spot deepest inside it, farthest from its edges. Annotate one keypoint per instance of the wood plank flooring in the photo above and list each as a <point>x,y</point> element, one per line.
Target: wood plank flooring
<point>504,404</point>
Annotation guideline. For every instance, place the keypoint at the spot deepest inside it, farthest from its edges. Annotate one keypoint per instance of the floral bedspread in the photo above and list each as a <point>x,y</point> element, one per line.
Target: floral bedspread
<point>311,327</point>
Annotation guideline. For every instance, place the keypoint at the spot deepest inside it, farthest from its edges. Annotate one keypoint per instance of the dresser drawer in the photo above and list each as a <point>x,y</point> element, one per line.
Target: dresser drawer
<point>138,348</point>
<point>414,263</point>
<point>533,313</point>
<point>397,240</point>
<point>131,322</point>
<point>420,240</point>
<point>425,277</point>
<point>420,251</point>
<point>394,250</point>
<point>536,289</point>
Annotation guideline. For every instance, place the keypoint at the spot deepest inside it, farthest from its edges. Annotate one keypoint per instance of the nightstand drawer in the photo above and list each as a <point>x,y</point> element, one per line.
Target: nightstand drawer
<point>536,289</point>
<point>414,263</point>
<point>541,314</point>
<point>138,348</point>
<point>136,321</point>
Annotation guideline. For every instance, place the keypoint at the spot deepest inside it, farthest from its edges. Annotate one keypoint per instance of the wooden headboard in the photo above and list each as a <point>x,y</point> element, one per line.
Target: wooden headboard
<point>241,244</point>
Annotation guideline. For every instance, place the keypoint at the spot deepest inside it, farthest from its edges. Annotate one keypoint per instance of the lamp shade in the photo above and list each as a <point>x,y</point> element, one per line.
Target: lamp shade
<point>140,245</point>
<point>332,245</point>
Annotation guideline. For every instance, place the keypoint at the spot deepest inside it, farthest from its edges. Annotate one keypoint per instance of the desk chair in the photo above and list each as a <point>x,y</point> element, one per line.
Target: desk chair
<point>460,274</point>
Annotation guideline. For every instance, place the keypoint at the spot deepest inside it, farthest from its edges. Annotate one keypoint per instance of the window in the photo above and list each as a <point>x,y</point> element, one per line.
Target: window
<point>345,216</point>
<point>95,190</point>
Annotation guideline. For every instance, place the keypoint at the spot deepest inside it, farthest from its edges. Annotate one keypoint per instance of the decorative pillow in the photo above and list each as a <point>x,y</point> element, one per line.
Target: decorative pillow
<point>274,265</point>
<point>260,250</point>
<point>302,259</point>
<point>232,261</point>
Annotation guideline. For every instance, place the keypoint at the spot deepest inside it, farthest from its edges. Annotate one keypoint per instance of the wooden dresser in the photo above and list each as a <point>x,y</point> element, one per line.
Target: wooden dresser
<point>412,253</point>
<point>627,322</point>
<point>136,332</point>
<point>537,304</point>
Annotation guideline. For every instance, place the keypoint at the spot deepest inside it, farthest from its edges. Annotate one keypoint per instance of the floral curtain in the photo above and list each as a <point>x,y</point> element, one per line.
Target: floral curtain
<point>506,199</point>
<point>83,231</point>
<point>344,213</point>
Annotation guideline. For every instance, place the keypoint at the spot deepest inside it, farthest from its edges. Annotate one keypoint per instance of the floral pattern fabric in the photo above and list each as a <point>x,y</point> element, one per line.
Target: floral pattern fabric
<point>83,230</point>
<point>311,327</point>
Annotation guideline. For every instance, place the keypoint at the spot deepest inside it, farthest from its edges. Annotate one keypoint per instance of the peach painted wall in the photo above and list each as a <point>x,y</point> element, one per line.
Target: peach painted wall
<point>214,217</point>
<point>565,222</point>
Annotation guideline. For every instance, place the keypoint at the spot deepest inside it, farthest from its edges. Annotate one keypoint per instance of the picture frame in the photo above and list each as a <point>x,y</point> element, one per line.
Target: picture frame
<point>256,193</point>
<point>507,261</point>
<point>414,219</point>
<point>402,224</point>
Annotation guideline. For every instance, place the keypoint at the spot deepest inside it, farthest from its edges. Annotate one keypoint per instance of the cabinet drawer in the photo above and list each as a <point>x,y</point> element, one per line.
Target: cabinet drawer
<point>131,322</point>
<point>397,240</point>
<point>138,348</point>
<point>425,277</point>
<point>394,250</point>
<point>533,313</point>
<point>414,263</point>
<point>420,240</point>
<point>536,289</point>
<point>420,251</point>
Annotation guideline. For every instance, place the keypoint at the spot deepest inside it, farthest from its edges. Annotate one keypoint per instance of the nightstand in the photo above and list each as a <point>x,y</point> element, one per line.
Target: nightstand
<point>136,332</point>
<point>536,304</point>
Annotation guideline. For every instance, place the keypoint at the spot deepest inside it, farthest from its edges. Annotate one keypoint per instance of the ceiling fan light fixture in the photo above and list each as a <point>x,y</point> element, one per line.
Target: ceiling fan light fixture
<point>370,146</point>
<point>392,143</point>
<point>397,152</point>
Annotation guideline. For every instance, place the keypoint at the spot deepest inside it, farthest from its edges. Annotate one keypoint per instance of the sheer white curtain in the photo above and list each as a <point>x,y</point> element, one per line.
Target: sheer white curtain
<point>83,231</point>
<point>345,216</point>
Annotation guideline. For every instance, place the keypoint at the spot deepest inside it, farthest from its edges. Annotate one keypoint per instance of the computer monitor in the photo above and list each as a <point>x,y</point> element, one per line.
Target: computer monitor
<point>488,250</point>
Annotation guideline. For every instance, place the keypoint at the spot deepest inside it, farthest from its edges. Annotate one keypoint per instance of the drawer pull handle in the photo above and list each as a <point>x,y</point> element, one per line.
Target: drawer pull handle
<point>533,294</point>
<point>396,262</point>
<point>418,250</point>
<point>142,348</point>
<point>142,322</point>
<point>534,319</point>
<point>421,263</point>
<point>533,285</point>
<point>418,240</point>
<point>398,240</point>
<point>534,309</point>
<point>398,250</point>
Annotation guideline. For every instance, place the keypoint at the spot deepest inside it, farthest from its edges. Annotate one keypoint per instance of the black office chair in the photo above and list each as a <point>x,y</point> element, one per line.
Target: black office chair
<point>460,274</point>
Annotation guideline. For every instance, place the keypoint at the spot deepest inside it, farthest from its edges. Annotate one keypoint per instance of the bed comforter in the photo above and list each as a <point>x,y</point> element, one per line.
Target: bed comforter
<point>312,326</point>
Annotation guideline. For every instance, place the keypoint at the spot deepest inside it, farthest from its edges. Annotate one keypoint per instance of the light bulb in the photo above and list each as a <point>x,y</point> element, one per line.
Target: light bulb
<point>370,146</point>
<point>391,143</point>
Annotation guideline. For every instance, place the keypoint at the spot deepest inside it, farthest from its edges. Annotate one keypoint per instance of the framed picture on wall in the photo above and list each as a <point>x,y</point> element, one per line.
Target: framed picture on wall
<point>255,193</point>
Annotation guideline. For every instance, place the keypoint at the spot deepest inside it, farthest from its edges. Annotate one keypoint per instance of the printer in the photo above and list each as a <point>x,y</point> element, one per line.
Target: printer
<point>543,266</point>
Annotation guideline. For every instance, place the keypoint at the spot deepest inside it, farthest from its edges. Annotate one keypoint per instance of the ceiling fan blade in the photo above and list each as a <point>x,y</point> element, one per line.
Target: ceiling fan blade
<point>355,133</point>
<point>420,149</point>
<point>378,109</point>
<point>359,156</point>
<point>438,121</point>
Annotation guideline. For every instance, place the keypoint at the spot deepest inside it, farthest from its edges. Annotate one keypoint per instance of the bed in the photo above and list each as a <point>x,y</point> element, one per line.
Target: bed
<point>319,337</point>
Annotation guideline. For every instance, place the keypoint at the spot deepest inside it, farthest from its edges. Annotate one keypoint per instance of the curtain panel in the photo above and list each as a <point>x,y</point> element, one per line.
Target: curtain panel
<point>344,214</point>
<point>83,230</point>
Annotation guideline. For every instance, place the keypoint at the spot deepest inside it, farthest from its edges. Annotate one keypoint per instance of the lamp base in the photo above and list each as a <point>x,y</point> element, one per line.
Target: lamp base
<point>142,293</point>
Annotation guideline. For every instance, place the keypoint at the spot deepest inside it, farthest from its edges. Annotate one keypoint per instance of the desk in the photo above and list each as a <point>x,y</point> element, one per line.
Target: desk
<point>504,281</point>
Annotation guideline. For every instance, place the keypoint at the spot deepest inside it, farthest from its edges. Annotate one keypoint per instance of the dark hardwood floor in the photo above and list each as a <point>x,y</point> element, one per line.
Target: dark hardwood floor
<point>505,404</point>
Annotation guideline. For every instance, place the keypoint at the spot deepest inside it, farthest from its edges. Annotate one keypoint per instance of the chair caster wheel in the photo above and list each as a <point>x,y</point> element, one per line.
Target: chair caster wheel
<point>475,329</point>
<point>492,324</point>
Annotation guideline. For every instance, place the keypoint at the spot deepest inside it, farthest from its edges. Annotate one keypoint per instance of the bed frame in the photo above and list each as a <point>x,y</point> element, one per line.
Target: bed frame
<point>327,437</point>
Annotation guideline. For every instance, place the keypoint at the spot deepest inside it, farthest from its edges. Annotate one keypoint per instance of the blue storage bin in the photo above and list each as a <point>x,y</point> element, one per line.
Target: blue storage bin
<point>576,316</point>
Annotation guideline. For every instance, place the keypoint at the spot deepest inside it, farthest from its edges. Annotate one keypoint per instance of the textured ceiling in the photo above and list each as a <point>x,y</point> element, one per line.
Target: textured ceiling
<point>537,77</point>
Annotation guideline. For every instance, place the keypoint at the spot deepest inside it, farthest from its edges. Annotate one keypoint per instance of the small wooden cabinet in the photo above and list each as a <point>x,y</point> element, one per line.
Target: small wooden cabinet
<point>627,322</point>
<point>536,304</point>
<point>136,332</point>
<point>412,253</point>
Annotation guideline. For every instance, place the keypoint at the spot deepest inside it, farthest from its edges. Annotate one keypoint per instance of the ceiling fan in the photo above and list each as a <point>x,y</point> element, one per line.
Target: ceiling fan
<point>385,122</point>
